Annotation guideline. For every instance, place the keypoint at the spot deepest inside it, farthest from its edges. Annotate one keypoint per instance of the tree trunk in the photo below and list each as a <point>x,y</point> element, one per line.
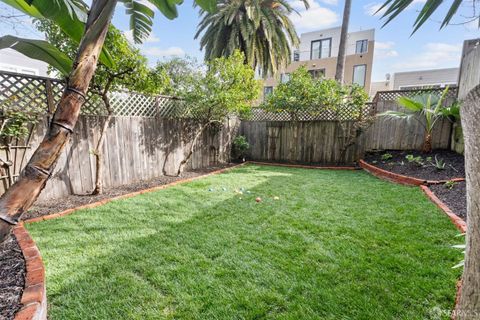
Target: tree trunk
<point>340,72</point>
<point>26,190</point>
<point>192,147</point>
<point>98,149</point>
<point>427,143</point>
<point>469,305</point>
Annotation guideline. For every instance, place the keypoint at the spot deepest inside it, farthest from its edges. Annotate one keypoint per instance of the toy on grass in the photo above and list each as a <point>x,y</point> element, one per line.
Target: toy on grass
<point>211,189</point>
<point>258,199</point>
<point>276,198</point>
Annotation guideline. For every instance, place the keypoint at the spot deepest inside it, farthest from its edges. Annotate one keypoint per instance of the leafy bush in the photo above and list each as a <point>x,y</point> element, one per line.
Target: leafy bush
<point>386,156</point>
<point>240,147</point>
<point>302,93</point>
<point>418,160</point>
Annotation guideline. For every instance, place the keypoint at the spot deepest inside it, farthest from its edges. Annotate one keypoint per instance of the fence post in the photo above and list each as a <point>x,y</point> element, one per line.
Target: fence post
<point>50,101</point>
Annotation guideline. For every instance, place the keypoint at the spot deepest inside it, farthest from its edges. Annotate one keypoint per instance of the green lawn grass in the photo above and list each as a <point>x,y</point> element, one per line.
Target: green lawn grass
<point>336,245</point>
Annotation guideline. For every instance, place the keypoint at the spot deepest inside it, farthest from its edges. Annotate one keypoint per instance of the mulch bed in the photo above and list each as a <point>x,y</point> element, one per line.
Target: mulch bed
<point>398,163</point>
<point>42,208</point>
<point>455,198</point>
<point>12,277</point>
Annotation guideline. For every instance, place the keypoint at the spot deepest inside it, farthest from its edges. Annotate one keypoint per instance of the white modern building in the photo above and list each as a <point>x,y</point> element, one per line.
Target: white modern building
<point>419,79</point>
<point>11,60</point>
<point>318,51</point>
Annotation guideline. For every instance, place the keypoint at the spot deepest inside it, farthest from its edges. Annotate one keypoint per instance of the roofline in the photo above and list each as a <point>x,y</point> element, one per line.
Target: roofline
<point>427,70</point>
<point>334,28</point>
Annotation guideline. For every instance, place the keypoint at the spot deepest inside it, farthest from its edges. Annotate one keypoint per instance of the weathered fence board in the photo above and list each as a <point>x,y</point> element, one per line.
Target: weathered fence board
<point>324,141</point>
<point>402,134</point>
<point>135,148</point>
<point>304,141</point>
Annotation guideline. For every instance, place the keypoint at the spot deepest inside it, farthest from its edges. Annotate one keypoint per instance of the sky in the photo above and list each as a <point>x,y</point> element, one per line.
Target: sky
<point>396,49</point>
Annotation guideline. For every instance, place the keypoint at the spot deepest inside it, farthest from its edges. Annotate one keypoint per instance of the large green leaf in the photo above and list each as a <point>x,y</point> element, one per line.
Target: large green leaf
<point>395,7</point>
<point>141,19</point>
<point>69,15</point>
<point>410,104</point>
<point>39,50</point>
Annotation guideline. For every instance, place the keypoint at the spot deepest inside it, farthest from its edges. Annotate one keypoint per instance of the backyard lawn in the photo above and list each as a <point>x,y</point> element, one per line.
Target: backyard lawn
<point>334,245</point>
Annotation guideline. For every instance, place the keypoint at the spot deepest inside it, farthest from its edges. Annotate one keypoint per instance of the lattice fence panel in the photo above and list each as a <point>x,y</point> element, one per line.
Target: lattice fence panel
<point>22,94</point>
<point>343,114</point>
<point>40,95</point>
<point>395,94</point>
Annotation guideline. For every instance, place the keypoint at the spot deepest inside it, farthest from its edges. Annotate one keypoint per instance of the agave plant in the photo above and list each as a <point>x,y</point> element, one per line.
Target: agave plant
<point>425,108</point>
<point>88,26</point>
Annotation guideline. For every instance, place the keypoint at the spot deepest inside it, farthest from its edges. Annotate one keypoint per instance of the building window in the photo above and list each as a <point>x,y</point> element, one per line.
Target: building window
<point>284,77</point>
<point>362,46</point>
<point>296,55</point>
<point>321,49</point>
<point>267,91</point>
<point>318,73</point>
<point>359,74</point>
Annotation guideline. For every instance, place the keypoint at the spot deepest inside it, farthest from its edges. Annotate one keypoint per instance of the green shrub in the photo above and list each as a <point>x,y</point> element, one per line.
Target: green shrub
<point>240,147</point>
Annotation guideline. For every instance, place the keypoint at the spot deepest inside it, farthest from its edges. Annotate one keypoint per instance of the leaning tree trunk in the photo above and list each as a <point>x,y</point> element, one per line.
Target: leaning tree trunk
<point>192,147</point>
<point>339,73</point>
<point>29,185</point>
<point>98,149</point>
<point>469,304</point>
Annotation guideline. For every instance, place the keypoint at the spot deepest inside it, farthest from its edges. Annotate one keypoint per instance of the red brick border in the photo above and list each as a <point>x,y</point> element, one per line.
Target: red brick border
<point>128,195</point>
<point>457,221</point>
<point>34,297</point>
<point>399,178</point>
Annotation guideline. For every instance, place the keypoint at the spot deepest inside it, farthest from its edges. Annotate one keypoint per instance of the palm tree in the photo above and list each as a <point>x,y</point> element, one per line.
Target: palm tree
<point>468,306</point>
<point>87,26</point>
<point>425,108</point>
<point>261,29</point>
<point>342,48</point>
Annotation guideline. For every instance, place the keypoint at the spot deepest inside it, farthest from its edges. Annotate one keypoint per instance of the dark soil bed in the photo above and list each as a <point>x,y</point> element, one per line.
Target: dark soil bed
<point>454,197</point>
<point>12,277</point>
<point>53,206</point>
<point>421,167</point>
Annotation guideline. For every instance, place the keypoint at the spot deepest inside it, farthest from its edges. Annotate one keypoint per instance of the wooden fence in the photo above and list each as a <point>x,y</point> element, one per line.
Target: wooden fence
<point>148,137</point>
<point>135,148</point>
<point>327,141</point>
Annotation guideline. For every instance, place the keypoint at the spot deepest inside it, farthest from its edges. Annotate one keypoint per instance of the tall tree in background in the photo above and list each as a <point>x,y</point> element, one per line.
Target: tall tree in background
<point>89,27</point>
<point>469,304</point>
<point>340,71</point>
<point>261,29</point>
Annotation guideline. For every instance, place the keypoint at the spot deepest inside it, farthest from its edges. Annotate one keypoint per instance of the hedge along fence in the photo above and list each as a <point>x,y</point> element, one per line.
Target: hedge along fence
<point>323,138</point>
<point>148,137</point>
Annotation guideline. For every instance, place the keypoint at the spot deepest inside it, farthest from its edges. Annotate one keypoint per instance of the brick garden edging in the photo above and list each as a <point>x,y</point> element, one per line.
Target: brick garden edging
<point>34,296</point>
<point>128,195</point>
<point>457,221</point>
<point>399,178</point>
<point>423,184</point>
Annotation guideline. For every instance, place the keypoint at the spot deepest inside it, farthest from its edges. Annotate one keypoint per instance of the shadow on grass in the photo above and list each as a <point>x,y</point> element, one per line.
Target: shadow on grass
<point>331,245</point>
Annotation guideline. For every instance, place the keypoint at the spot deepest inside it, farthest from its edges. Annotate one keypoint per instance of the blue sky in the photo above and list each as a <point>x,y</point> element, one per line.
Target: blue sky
<point>395,50</point>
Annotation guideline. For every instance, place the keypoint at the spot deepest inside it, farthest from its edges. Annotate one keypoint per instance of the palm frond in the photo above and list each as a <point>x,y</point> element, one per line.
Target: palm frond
<point>411,104</point>
<point>395,7</point>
